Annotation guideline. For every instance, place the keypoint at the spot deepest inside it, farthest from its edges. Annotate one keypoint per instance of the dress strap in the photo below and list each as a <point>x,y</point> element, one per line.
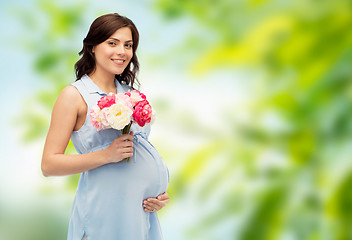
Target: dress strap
<point>82,89</point>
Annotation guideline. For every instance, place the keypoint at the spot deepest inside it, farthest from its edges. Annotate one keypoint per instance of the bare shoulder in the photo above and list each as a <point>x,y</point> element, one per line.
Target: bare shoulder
<point>70,93</point>
<point>69,100</point>
<point>70,96</point>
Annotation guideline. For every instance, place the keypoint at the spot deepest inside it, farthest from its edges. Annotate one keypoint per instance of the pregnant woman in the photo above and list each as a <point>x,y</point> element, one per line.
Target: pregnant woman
<point>115,199</point>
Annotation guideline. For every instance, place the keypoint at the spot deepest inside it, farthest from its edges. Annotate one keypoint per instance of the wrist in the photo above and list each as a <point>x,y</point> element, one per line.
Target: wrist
<point>105,156</point>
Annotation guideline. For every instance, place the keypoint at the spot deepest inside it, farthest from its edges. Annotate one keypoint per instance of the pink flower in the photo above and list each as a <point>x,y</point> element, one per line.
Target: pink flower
<point>95,118</point>
<point>107,101</point>
<point>136,96</point>
<point>125,99</point>
<point>103,117</point>
<point>118,111</point>
<point>142,113</point>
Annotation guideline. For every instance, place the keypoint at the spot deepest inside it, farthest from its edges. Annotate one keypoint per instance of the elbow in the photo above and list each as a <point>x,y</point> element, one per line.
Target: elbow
<point>44,168</point>
<point>45,174</point>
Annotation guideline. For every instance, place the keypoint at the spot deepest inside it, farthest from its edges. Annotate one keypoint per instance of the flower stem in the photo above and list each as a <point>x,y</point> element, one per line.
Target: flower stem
<point>126,130</point>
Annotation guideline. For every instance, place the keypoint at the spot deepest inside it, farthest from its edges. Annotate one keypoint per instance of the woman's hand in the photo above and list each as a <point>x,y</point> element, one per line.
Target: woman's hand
<point>155,204</point>
<point>120,148</point>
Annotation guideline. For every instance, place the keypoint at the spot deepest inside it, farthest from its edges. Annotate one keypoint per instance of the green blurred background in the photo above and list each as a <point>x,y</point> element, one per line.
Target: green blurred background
<point>254,113</point>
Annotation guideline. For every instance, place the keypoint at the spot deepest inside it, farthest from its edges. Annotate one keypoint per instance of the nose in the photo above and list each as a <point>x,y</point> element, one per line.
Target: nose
<point>120,49</point>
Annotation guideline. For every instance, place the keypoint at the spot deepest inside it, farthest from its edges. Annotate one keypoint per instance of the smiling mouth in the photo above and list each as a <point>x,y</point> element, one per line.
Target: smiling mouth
<point>118,60</point>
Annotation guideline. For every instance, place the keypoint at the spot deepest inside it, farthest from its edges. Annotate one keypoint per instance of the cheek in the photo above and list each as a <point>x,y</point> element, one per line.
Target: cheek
<point>103,56</point>
<point>130,56</point>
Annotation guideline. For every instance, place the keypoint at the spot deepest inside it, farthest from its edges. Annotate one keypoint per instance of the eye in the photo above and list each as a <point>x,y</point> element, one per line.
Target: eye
<point>128,45</point>
<point>112,43</point>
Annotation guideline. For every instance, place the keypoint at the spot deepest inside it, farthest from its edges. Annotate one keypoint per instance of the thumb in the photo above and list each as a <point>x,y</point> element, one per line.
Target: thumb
<point>161,197</point>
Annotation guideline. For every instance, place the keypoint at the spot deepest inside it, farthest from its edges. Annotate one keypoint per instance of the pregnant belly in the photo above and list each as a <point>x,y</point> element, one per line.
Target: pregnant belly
<point>145,175</point>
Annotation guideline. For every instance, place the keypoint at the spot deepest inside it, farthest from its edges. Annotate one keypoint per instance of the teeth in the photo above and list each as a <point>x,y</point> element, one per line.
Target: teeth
<point>119,61</point>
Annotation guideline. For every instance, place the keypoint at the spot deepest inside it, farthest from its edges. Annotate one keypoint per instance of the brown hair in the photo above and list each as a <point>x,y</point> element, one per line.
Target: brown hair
<point>100,30</point>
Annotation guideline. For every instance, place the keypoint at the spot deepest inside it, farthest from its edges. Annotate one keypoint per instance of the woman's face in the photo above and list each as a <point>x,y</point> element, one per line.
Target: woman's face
<point>113,55</point>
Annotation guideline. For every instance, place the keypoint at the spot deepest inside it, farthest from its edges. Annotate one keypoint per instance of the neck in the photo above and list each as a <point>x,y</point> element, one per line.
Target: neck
<point>105,81</point>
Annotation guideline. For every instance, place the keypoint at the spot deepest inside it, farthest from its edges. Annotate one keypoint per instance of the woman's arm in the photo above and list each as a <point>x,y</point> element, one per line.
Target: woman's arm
<point>63,121</point>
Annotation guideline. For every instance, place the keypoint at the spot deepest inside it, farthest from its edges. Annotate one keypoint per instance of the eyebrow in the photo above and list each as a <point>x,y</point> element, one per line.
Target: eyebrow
<point>119,40</point>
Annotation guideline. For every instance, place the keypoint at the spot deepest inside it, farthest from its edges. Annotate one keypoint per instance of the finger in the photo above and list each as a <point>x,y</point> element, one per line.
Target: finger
<point>147,207</point>
<point>127,151</point>
<point>164,199</point>
<point>126,144</point>
<point>125,137</point>
<point>153,200</point>
<point>154,203</point>
<point>163,196</point>
<point>150,208</point>
<point>124,148</point>
<point>126,155</point>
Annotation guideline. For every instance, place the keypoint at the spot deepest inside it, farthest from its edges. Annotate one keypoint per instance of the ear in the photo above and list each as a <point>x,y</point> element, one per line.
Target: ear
<point>93,49</point>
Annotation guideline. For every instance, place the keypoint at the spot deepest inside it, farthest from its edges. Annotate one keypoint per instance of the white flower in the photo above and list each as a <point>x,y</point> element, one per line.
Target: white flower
<point>118,115</point>
<point>154,117</point>
<point>136,96</point>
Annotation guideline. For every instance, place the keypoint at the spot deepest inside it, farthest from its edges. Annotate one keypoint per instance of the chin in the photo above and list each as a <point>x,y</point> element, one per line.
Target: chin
<point>119,71</point>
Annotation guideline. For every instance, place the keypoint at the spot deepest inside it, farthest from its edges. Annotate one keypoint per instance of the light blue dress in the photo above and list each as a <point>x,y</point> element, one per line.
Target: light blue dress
<point>108,201</point>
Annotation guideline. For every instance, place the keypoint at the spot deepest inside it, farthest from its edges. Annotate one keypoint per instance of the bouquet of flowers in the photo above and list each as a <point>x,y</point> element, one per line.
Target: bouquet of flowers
<point>120,110</point>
